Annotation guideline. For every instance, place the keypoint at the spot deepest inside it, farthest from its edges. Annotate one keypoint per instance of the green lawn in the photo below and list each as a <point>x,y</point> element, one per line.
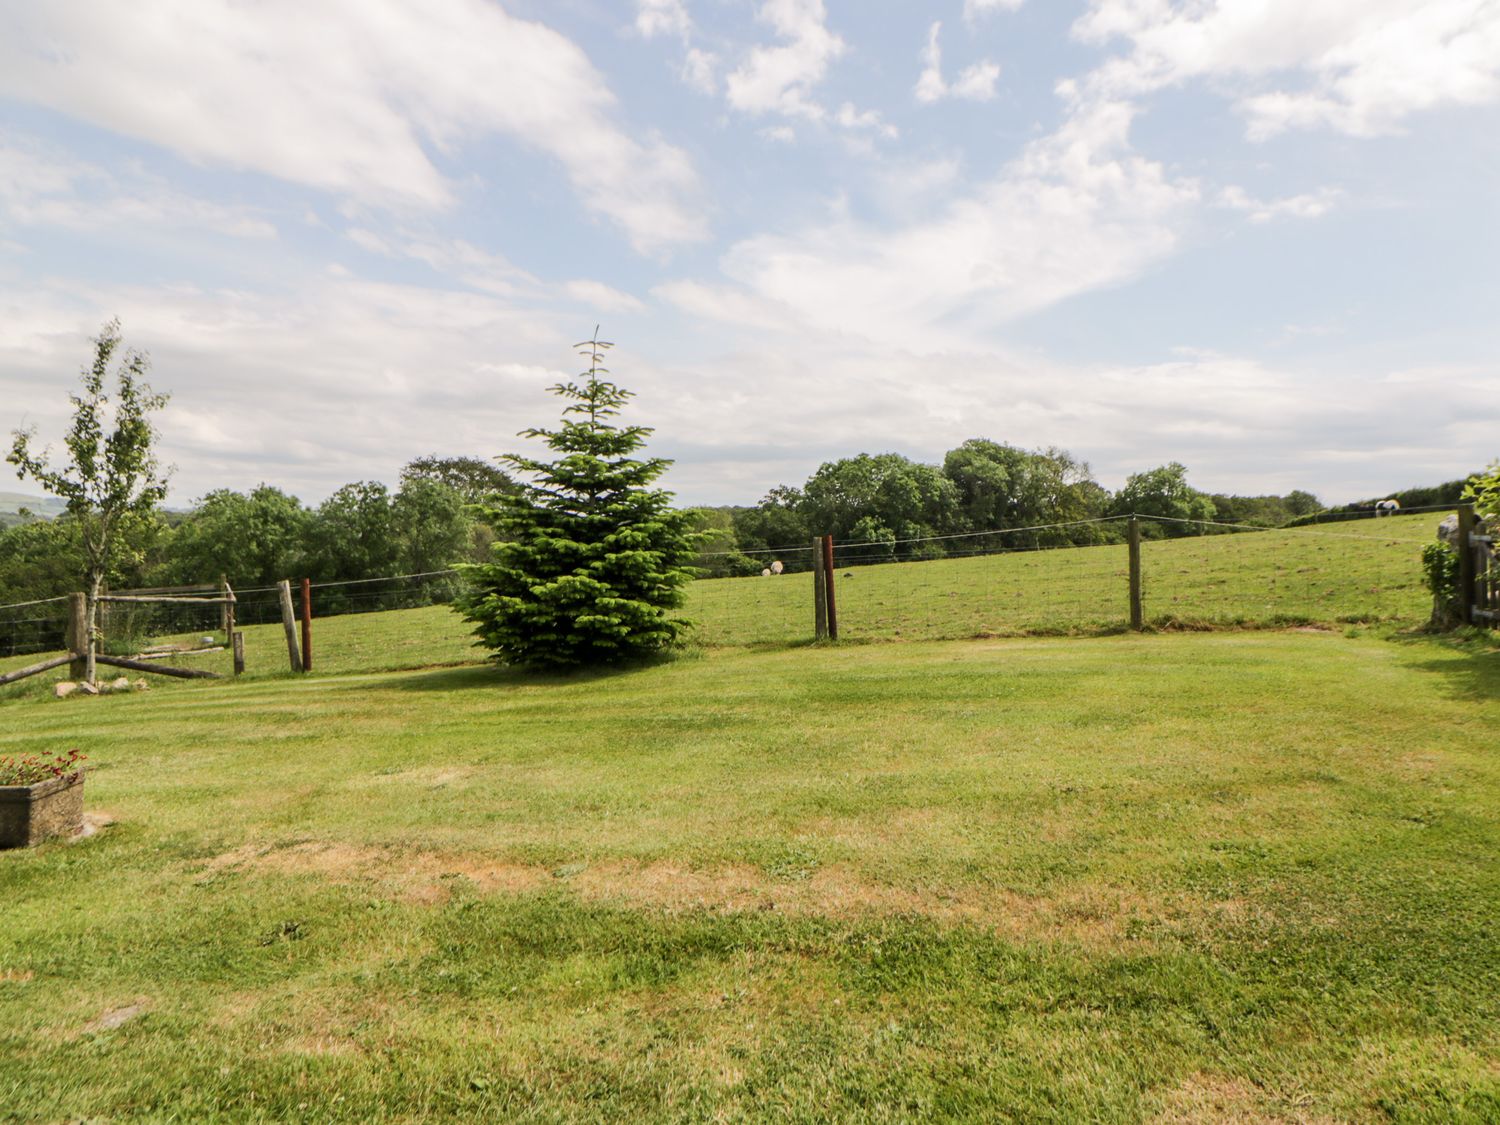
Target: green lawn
<point>1243,876</point>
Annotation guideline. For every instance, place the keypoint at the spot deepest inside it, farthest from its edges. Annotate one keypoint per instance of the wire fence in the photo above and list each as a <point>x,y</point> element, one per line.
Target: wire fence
<point>1052,578</point>
<point>33,626</point>
<point>125,628</point>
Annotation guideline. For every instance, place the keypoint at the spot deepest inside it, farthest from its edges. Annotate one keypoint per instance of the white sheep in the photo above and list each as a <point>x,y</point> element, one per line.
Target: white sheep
<point>776,567</point>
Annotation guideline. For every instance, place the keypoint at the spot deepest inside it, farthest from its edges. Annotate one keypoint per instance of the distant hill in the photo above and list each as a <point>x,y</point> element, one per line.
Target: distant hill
<point>45,506</point>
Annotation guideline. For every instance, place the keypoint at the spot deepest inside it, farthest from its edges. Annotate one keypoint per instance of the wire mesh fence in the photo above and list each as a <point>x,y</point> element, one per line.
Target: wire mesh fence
<point>1302,576</point>
<point>34,626</point>
<point>764,609</point>
<point>1003,584</point>
<point>261,605</point>
<point>1074,578</point>
<point>126,628</point>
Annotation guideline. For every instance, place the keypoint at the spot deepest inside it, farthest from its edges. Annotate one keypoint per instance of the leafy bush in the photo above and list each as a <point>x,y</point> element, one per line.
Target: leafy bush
<point>1483,491</point>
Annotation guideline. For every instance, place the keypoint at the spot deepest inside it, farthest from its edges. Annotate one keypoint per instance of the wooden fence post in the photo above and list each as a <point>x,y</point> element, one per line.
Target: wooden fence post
<point>230,626</point>
<point>820,592</point>
<point>829,575</point>
<point>237,645</point>
<point>307,624</point>
<point>289,623</point>
<point>78,634</point>
<point>1137,610</point>
<point>1468,584</point>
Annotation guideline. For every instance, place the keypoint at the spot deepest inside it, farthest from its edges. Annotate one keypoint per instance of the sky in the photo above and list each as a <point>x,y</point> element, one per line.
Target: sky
<point>1258,237</point>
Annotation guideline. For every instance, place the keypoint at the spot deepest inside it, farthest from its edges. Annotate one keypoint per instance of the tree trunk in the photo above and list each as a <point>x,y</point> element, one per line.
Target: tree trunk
<point>90,671</point>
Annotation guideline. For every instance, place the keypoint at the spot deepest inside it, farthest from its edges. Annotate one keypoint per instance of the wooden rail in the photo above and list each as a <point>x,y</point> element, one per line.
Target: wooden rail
<point>156,600</point>
<point>158,669</point>
<point>35,669</point>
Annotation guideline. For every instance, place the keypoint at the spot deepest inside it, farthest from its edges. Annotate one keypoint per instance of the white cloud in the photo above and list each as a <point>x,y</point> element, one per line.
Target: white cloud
<point>976,82</point>
<point>349,96</point>
<point>1076,211</point>
<point>1239,424</point>
<point>453,258</point>
<point>41,188</point>
<point>662,17</point>
<point>908,189</point>
<point>334,380</point>
<point>700,70</point>
<point>604,298</point>
<point>727,304</point>
<point>1357,66</point>
<point>338,379</point>
<point>930,85</point>
<point>700,67</point>
<point>973,9</point>
<point>1309,205</point>
<point>850,118</point>
<point>456,260</point>
<point>780,79</point>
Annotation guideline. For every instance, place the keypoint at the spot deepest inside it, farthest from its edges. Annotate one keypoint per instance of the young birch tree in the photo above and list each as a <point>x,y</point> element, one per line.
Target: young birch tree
<point>111,477</point>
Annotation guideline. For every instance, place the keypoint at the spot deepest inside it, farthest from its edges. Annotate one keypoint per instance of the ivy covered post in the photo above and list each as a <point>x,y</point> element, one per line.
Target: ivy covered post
<point>592,561</point>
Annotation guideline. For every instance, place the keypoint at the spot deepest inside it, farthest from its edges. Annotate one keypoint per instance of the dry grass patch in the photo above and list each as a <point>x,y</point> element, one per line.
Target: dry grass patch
<point>1223,1100</point>
<point>1088,914</point>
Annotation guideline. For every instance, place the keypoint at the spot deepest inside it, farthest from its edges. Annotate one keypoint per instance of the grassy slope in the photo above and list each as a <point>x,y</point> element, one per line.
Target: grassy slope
<point>1188,877</point>
<point>1369,571</point>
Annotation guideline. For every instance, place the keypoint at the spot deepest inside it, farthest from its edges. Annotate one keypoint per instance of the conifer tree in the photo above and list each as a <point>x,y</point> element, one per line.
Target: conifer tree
<point>591,560</point>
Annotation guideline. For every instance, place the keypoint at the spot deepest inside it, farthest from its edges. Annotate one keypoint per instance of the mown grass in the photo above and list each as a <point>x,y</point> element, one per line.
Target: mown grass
<point>1235,876</point>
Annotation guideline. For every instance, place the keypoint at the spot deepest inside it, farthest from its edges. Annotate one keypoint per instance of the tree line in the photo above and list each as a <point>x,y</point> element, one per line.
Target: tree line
<point>363,530</point>
<point>887,506</point>
<point>890,505</point>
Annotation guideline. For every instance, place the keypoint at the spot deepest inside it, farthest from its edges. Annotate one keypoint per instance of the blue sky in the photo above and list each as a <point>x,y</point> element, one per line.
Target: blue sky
<point>1259,237</point>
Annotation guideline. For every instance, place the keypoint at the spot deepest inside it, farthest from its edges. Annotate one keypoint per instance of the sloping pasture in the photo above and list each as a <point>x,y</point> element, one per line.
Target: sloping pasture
<point>1331,574</point>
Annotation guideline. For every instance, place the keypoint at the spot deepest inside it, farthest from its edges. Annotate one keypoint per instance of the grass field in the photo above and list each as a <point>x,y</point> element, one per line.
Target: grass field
<point>1360,572</point>
<point>1242,876</point>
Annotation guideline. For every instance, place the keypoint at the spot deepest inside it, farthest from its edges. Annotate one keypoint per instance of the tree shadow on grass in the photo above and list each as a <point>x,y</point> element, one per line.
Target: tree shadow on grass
<point>490,677</point>
<point>1469,661</point>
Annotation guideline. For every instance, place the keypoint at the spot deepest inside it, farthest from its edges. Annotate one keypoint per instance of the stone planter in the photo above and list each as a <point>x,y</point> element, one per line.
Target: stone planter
<point>30,814</point>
